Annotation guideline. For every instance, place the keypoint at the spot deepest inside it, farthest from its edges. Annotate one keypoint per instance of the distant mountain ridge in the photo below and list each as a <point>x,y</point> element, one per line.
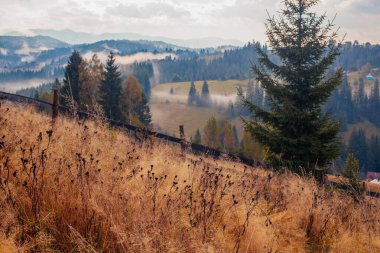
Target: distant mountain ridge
<point>74,37</point>
<point>18,50</point>
<point>39,57</point>
<point>25,44</point>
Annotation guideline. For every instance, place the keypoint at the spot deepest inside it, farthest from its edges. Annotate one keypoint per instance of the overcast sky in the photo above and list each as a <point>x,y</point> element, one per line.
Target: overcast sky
<point>182,19</point>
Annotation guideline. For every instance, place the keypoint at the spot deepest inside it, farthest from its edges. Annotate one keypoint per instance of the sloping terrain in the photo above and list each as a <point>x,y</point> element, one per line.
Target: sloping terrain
<point>82,187</point>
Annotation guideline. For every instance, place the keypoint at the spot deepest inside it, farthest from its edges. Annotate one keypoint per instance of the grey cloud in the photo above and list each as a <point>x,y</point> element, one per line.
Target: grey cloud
<point>183,19</point>
<point>366,7</point>
<point>248,9</point>
<point>148,10</point>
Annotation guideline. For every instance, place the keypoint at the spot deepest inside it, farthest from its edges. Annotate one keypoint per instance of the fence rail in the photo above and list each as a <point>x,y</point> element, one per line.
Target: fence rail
<point>188,146</point>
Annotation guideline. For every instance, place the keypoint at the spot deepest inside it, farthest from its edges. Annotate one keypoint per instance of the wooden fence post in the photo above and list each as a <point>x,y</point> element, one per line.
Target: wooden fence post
<point>55,106</point>
<point>182,137</point>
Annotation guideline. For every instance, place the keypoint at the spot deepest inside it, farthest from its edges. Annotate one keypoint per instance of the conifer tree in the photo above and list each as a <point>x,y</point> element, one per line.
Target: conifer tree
<point>346,104</point>
<point>143,71</point>
<point>250,94</point>
<point>71,80</point>
<point>236,137</point>
<point>374,104</point>
<point>197,137</point>
<point>373,154</point>
<point>205,95</point>
<point>361,98</point>
<point>143,112</point>
<point>358,147</point>
<point>231,111</point>
<point>36,95</point>
<point>351,171</point>
<point>56,84</point>
<point>192,97</point>
<point>110,90</point>
<point>259,97</point>
<point>296,131</point>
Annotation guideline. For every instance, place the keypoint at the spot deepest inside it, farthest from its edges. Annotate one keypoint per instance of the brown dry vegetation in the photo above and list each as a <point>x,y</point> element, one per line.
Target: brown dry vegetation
<point>82,187</point>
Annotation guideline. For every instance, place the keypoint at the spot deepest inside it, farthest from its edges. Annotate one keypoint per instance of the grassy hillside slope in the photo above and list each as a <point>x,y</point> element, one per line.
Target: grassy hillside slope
<point>82,187</point>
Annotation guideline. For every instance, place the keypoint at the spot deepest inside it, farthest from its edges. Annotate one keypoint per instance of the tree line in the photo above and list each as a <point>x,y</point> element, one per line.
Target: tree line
<point>236,63</point>
<point>203,99</point>
<point>232,64</point>
<point>223,135</point>
<point>366,149</point>
<point>352,108</point>
<point>90,86</point>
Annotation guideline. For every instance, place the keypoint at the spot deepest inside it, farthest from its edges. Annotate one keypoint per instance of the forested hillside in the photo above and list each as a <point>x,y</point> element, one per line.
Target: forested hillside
<point>236,63</point>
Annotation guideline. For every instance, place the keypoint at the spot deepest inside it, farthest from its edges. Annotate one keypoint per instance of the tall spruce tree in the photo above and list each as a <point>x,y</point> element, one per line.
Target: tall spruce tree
<point>351,171</point>
<point>250,94</point>
<point>143,112</point>
<point>373,154</point>
<point>197,137</point>
<point>143,72</point>
<point>374,104</point>
<point>205,95</point>
<point>236,137</point>
<point>192,98</point>
<point>71,81</point>
<point>110,90</point>
<point>358,146</point>
<point>231,111</point>
<point>295,130</point>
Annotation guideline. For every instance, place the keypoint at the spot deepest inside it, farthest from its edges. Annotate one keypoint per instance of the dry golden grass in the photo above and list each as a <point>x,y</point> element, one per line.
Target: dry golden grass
<point>82,187</point>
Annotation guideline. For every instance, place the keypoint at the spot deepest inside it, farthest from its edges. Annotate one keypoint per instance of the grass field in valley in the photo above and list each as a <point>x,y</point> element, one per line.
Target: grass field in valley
<point>171,110</point>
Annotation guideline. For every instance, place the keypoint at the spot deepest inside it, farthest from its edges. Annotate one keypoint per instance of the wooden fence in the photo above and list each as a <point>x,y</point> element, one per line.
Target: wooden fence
<point>186,146</point>
<point>55,108</point>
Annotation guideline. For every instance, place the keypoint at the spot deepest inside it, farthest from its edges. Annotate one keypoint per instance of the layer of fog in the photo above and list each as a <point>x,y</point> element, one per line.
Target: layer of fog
<point>26,50</point>
<point>123,61</point>
<point>165,96</point>
<point>3,51</point>
<point>129,59</point>
<point>17,85</point>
